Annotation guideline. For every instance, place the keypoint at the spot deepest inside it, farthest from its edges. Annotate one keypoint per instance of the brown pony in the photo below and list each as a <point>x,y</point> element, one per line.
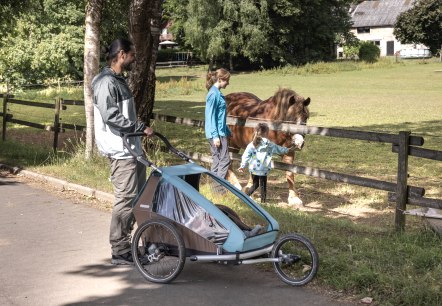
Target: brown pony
<point>285,106</point>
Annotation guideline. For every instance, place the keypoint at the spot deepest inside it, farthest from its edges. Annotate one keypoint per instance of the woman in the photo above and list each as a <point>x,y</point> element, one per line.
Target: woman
<point>215,127</point>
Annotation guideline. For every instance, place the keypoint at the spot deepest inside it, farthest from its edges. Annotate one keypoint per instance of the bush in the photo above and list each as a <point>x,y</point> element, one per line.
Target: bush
<point>369,52</point>
<point>351,51</point>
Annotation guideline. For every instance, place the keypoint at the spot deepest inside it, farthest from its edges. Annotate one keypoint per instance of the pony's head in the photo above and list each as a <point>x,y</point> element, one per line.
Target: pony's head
<point>289,106</point>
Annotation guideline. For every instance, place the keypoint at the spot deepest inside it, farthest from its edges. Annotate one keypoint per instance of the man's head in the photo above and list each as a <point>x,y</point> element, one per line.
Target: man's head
<point>121,55</point>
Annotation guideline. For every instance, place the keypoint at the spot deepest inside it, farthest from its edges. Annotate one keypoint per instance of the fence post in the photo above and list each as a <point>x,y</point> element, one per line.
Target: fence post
<point>402,176</point>
<point>56,122</point>
<point>5,111</point>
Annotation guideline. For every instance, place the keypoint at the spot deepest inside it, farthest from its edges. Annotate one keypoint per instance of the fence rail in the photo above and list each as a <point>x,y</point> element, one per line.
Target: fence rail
<point>32,103</point>
<point>332,132</point>
<point>422,153</point>
<point>170,64</point>
<point>57,127</point>
<point>403,144</point>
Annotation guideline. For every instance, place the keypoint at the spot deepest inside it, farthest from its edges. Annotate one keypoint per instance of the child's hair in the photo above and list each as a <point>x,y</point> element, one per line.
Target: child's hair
<point>212,77</point>
<point>261,130</point>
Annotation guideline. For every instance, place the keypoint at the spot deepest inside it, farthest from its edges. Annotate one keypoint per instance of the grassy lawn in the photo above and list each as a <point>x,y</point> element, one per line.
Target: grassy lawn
<point>351,226</point>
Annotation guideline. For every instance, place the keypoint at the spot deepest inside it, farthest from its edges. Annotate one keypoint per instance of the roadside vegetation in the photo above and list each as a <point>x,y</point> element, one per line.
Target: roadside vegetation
<point>352,227</point>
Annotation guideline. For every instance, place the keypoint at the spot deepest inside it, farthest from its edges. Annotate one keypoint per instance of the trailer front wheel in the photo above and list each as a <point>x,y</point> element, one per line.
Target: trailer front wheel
<point>298,259</point>
<point>158,251</point>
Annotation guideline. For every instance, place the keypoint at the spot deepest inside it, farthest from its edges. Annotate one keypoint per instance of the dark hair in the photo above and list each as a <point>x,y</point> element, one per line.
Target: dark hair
<point>212,77</point>
<point>116,46</point>
<point>260,130</point>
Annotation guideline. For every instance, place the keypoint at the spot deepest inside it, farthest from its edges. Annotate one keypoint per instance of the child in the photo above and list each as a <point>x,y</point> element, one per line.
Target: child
<point>258,155</point>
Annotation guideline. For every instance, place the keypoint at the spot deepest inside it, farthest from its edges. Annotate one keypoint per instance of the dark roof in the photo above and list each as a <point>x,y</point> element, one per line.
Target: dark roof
<point>379,13</point>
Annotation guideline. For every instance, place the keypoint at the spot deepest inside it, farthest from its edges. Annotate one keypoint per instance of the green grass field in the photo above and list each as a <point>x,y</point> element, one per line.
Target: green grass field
<point>352,227</point>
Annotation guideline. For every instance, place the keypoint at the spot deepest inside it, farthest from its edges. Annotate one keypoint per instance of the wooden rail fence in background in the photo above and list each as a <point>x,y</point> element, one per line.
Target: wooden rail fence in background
<point>57,126</point>
<point>403,144</point>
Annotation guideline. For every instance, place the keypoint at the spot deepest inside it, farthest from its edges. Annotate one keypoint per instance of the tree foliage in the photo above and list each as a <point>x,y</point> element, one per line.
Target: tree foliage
<point>422,24</point>
<point>43,40</point>
<point>269,32</point>
<point>351,49</point>
<point>308,30</point>
<point>221,28</point>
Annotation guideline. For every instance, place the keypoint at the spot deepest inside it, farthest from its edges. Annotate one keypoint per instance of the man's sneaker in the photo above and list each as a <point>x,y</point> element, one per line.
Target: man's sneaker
<point>123,259</point>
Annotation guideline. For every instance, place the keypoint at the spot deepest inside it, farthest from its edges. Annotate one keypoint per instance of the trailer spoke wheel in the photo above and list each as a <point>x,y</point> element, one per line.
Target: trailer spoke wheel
<point>298,259</point>
<point>159,249</point>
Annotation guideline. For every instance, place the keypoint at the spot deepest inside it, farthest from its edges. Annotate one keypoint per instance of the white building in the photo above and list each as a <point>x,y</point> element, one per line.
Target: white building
<point>374,21</point>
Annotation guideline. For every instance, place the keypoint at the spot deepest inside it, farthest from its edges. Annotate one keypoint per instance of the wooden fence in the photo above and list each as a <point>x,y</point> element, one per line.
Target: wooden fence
<point>403,144</point>
<point>171,64</point>
<point>57,126</point>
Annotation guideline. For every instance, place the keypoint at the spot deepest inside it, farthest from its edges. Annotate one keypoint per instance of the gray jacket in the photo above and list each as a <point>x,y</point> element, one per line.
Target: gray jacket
<point>114,113</point>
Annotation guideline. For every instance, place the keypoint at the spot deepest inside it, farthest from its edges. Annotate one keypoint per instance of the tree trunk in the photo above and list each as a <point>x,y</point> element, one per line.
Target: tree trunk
<point>144,29</point>
<point>155,21</point>
<point>94,9</point>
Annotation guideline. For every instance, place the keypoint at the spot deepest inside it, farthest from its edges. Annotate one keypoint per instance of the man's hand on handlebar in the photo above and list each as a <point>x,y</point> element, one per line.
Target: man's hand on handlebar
<point>148,131</point>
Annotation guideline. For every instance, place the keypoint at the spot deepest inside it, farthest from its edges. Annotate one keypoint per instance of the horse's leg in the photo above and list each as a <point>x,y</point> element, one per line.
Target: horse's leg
<point>293,198</point>
<point>231,176</point>
<point>249,184</point>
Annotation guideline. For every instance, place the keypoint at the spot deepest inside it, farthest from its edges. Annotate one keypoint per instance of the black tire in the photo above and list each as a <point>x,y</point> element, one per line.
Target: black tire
<point>299,260</point>
<point>158,251</point>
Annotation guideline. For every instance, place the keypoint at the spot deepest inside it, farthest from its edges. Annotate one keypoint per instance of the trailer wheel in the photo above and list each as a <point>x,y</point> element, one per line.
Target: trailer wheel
<point>298,259</point>
<point>158,251</point>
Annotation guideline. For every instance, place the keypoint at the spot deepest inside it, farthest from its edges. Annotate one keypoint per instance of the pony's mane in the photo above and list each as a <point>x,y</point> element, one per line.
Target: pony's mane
<point>282,98</point>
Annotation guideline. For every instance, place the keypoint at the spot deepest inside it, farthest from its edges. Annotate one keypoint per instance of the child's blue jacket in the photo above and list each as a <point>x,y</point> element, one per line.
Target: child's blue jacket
<point>260,158</point>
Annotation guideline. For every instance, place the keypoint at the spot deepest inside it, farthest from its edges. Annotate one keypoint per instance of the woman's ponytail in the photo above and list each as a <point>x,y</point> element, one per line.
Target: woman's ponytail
<point>210,79</point>
<point>213,77</point>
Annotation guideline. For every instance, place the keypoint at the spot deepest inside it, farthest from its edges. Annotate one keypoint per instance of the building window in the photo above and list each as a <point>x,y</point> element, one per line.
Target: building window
<point>377,42</point>
<point>363,30</point>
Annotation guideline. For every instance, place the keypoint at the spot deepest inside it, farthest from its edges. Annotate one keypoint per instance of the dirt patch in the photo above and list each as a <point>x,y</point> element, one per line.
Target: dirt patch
<point>335,200</point>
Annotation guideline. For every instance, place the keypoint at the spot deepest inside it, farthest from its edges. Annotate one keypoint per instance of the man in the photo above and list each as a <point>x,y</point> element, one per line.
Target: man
<point>115,113</point>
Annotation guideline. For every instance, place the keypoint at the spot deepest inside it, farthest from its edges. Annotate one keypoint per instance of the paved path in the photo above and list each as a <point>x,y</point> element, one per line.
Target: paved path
<point>55,252</point>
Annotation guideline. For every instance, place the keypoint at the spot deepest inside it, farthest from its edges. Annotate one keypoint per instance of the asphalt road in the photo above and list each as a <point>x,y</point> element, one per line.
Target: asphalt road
<point>55,251</point>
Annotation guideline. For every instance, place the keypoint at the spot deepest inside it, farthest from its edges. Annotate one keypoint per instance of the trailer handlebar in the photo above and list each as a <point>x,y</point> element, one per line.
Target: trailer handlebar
<point>171,148</point>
